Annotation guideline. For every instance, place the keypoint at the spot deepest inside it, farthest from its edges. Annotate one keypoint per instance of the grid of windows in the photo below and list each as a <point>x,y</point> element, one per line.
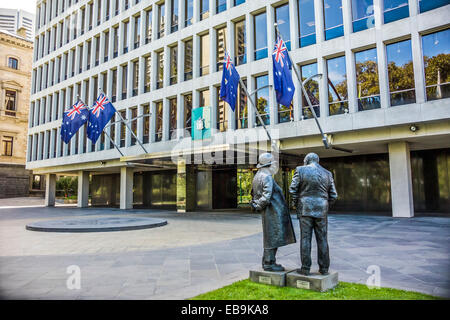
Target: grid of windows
<point>80,43</point>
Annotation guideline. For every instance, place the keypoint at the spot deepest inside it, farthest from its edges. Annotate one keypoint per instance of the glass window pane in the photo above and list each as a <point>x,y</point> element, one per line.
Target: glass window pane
<point>436,56</point>
<point>362,12</point>
<point>173,118</point>
<point>427,5</point>
<point>306,22</point>
<point>204,9</point>
<point>368,89</point>
<point>282,19</point>
<point>334,26</point>
<point>173,64</point>
<point>312,88</point>
<point>160,73</point>
<point>188,60</point>
<point>161,20</point>
<point>189,14</point>
<point>241,108</point>
<point>401,73</point>
<point>174,11</point>
<point>395,10</point>
<point>187,114</point>
<point>337,86</point>
<point>262,99</point>
<point>220,47</point>
<point>222,114</point>
<point>238,2</point>
<point>159,121</point>
<point>260,34</point>
<point>239,43</point>
<point>204,56</point>
<point>221,5</point>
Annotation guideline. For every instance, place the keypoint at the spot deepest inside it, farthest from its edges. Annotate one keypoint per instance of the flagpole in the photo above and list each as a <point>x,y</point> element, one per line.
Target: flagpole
<point>115,145</point>
<point>126,124</point>
<point>251,100</point>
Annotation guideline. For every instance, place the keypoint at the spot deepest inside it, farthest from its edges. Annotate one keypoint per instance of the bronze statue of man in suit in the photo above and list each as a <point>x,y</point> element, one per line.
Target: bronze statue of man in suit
<point>312,190</point>
<point>276,219</point>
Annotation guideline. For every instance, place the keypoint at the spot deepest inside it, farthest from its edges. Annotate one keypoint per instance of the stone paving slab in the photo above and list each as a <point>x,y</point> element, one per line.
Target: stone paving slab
<point>412,254</point>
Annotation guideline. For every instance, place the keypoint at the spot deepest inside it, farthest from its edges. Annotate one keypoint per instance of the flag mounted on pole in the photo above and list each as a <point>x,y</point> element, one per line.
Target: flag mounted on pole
<point>73,119</point>
<point>230,81</point>
<point>282,75</point>
<point>100,114</point>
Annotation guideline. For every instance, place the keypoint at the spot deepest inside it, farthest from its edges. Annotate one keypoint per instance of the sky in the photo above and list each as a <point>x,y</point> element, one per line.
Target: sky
<point>27,5</point>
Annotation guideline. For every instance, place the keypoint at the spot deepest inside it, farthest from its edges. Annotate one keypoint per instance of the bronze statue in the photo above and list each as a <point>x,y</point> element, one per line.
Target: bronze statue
<point>312,190</point>
<point>276,220</point>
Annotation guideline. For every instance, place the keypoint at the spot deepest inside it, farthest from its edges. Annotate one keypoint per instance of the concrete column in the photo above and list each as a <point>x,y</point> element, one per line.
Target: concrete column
<point>418,64</point>
<point>126,188</point>
<point>152,121</point>
<point>52,143</point>
<point>168,17</point>
<point>130,79</point>
<point>196,13</point>
<point>165,121</point>
<point>401,182</point>
<point>141,82</point>
<point>46,146</point>
<point>180,116</point>
<point>270,44</point>
<point>293,24</point>
<point>319,21</point>
<point>140,122</point>
<point>349,57</point>
<point>250,108</point>
<point>195,56</point>
<point>181,14</point>
<point>50,189</point>
<point>214,104</point>
<point>142,26</point>
<point>186,200</point>
<point>120,38</point>
<point>180,60</point>
<point>127,131</point>
<point>166,64</point>
<point>83,189</point>
<point>249,37</point>
<point>323,86</point>
<point>155,22</point>
<point>381,55</point>
<point>212,50</point>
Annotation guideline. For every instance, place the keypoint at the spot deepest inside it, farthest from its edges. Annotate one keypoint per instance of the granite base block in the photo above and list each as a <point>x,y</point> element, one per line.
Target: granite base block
<point>314,281</point>
<point>269,277</point>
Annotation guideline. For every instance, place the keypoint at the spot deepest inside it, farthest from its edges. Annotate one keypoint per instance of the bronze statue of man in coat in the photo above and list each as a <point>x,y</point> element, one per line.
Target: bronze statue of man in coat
<point>276,220</point>
<point>312,190</point>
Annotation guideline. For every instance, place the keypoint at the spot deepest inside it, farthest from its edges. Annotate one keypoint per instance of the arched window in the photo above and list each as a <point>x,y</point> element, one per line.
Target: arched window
<point>13,63</point>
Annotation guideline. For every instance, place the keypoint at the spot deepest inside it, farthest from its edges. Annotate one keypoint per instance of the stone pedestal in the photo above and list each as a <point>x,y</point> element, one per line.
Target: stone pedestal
<point>269,277</point>
<point>315,281</point>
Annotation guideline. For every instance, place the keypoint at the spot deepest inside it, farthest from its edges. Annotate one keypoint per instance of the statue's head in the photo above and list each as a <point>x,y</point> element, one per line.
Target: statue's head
<point>311,158</point>
<point>266,160</point>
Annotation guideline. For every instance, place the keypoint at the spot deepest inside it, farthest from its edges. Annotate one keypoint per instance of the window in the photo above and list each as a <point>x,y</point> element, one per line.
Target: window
<point>83,19</point>
<point>161,18</point>
<point>260,33</point>
<point>204,98</point>
<point>395,10</point>
<point>368,89</point>
<point>115,42</point>
<point>107,10</point>
<point>147,76</point>
<point>334,26</point>
<point>189,12</point>
<point>222,115</point>
<point>173,118</point>
<point>282,19</point>
<point>10,102</point>
<point>362,12</point>
<point>239,43</point>
<point>80,61</point>
<point>114,86</point>
<point>7,146</point>
<point>337,86</point>
<point>112,133</point>
<point>436,56</point>
<point>204,9</point>
<point>99,12</point>
<point>241,107</point>
<point>173,64</point>
<point>117,8</point>
<point>137,31</point>
<point>133,125</point>
<point>97,50</point>
<point>91,13</point>
<point>13,63</point>
<point>146,112</point>
<point>125,36</point>
<point>221,5</point>
<point>135,77</point>
<point>124,81</point>
<point>106,46</point>
<point>174,16</point>
<point>159,121</point>
<point>220,47</point>
<point>160,71</point>
<point>427,5</point>
<point>262,99</point>
<point>238,2</point>
<point>204,54</point>
<point>89,49</point>
<point>187,114</point>
<point>312,88</point>
<point>401,73</point>
<point>148,26</point>
<point>188,60</point>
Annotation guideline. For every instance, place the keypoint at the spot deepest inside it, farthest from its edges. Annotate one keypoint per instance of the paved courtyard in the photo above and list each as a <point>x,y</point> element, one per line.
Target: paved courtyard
<point>201,251</point>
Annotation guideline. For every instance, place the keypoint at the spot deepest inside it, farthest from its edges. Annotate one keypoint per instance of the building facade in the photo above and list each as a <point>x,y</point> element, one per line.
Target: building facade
<point>16,54</point>
<point>383,94</point>
<point>12,20</point>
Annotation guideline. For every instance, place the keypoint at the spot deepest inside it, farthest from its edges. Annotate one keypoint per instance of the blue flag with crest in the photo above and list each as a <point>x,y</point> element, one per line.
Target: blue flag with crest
<point>282,75</point>
<point>230,81</point>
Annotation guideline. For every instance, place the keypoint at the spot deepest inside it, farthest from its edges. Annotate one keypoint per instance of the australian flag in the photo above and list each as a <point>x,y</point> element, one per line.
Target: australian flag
<point>73,119</point>
<point>100,114</point>
<point>282,76</point>
<point>230,81</point>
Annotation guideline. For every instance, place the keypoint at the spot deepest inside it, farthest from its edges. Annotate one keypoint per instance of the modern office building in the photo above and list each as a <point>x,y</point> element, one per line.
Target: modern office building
<point>13,19</point>
<point>384,94</point>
